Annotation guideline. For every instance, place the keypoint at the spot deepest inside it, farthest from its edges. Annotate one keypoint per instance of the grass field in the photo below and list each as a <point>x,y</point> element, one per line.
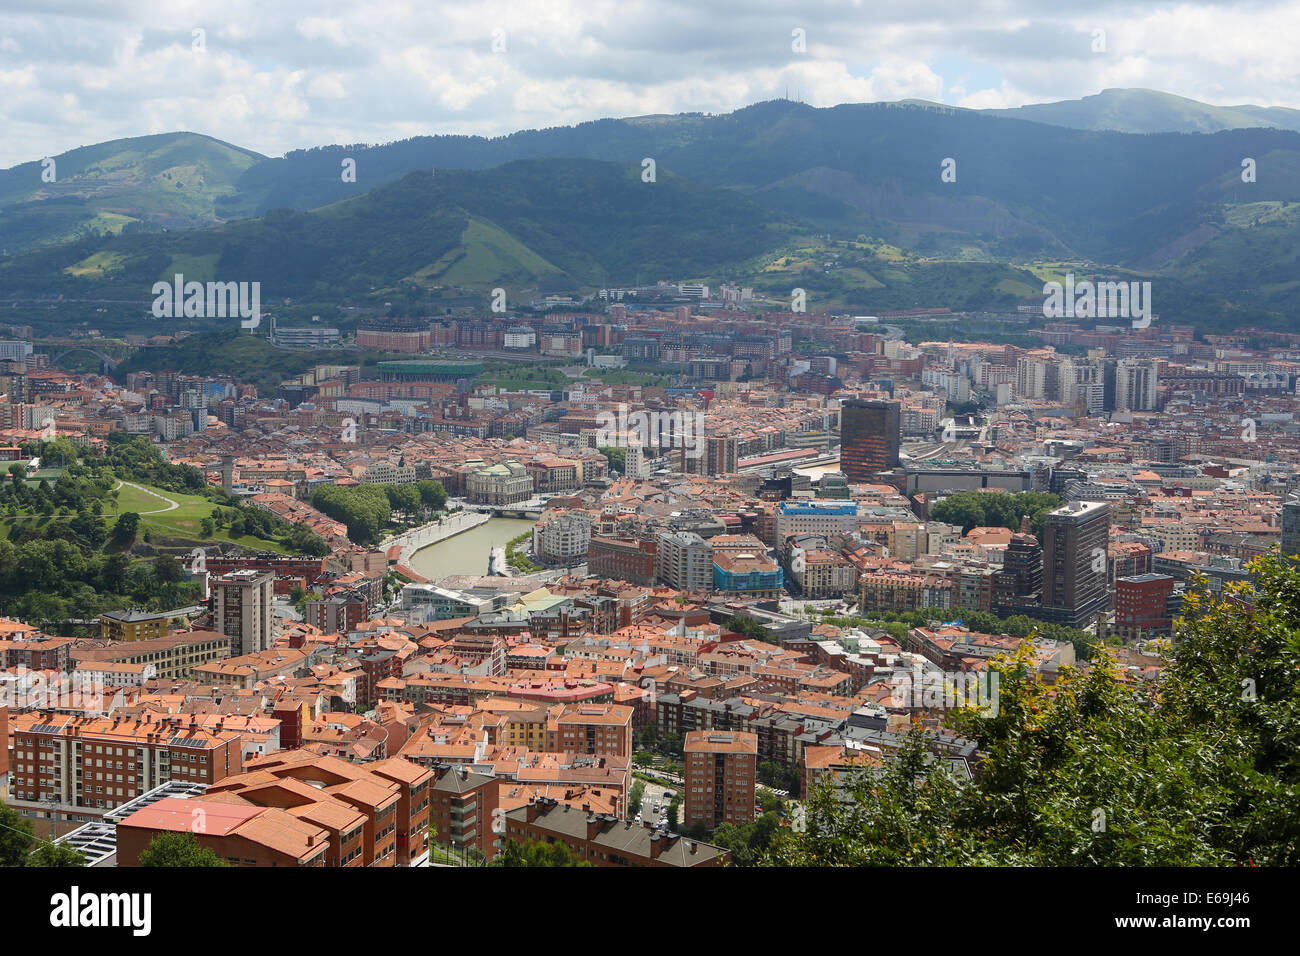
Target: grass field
<point>179,524</point>
<point>177,527</point>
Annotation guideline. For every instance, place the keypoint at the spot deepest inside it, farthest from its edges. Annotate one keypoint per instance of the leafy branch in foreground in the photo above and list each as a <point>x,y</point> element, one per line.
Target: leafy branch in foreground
<point>1200,767</point>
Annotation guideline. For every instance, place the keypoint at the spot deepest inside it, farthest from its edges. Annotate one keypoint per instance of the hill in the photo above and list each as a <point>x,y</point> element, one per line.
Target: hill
<point>1150,111</point>
<point>737,197</point>
<point>538,224</point>
<point>167,181</point>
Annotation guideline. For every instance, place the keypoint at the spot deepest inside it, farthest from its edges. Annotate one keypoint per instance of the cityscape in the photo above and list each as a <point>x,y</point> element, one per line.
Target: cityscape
<point>828,485</point>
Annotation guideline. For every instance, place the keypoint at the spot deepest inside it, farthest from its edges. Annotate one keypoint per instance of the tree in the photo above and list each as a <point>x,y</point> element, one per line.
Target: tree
<point>125,528</point>
<point>1198,768</point>
<point>533,853</point>
<point>617,457</point>
<point>16,837</point>
<point>634,798</point>
<point>178,849</point>
<point>747,841</point>
<point>750,628</point>
<point>167,569</point>
<point>55,855</point>
<point>432,494</point>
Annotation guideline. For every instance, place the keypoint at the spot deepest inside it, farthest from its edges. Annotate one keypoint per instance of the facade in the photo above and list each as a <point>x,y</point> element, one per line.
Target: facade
<point>720,770</point>
<point>463,807</point>
<point>1075,540</point>
<point>1142,606</point>
<point>241,609</point>
<point>814,517</point>
<point>1291,527</point>
<point>4,753</point>
<point>132,625</point>
<point>604,840</point>
<point>504,484</point>
<point>1136,385</point>
<point>562,537</point>
<point>78,767</point>
<point>749,573</point>
<point>623,559</point>
<point>684,561</point>
<point>242,835</point>
<point>870,434</point>
<point>591,729</point>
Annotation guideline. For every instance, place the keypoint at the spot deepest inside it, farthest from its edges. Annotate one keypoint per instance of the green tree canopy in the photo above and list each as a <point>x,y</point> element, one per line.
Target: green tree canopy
<point>178,849</point>
<point>55,855</point>
<point>1199,768</point>
<point>532,853</point>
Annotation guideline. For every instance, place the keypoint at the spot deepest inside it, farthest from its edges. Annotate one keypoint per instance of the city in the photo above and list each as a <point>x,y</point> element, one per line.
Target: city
<point>530,503</point>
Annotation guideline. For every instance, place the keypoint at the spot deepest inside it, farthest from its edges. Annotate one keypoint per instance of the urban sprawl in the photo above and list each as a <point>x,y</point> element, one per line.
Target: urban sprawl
<point>725,556</point>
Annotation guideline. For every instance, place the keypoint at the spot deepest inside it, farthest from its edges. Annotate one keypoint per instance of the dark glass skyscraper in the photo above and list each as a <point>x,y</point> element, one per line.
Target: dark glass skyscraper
<point>869,437</point>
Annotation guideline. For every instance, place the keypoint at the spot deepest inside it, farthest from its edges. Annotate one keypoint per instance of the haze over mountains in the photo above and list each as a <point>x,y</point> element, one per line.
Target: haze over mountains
<point>567,207</point>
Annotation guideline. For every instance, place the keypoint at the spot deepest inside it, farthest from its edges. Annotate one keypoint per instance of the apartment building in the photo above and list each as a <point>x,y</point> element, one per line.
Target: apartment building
<point>241,609</point>
<point>74,768</point>
<point>684,561</point>
<point>463,807</point>
<point>591,729</point>
<point>173,657</point>
<point>603,839</point>
<point>562,537</point>
<point>1142,606</point>
<point>241,834</point>
<point>814,517</point>
<point>720,772</point>
<point>4,753</point>
<point>132,625</point>
<point>393,800</point>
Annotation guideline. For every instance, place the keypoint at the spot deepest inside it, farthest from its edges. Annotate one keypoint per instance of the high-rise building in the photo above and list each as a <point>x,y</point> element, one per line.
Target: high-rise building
<point>869,437</point>
<point>1135,385</point>
<point>684,561</point>
<point>1074,562</point>
<point>1291,527</point>
<point>719,774</point>
<point>1024,558</point>
<point>4,753</point>
<point>241,609</point>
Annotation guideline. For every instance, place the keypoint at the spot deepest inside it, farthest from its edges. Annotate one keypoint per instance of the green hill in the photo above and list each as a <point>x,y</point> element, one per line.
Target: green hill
<point>563,223</point>
<point>565,208</point>
<point>167,181</point>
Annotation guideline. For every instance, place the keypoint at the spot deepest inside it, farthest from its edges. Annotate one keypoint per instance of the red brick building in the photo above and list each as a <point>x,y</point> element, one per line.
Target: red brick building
<point>720,774</point>
<point>242,834</point>
<point>1142,606</point>
<point>591,729</point>
<point>78,767</point>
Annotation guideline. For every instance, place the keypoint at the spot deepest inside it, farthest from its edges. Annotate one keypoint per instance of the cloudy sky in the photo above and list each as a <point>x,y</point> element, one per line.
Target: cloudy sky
<point>275,75</point>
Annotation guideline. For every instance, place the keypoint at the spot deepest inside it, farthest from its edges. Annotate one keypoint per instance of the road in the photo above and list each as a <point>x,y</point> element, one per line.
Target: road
<point>171,505</point>
<point>654,793</point>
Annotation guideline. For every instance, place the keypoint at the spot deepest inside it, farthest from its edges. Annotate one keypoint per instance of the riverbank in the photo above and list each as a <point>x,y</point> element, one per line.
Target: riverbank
<point>467,553</point>
<point>435,531</point>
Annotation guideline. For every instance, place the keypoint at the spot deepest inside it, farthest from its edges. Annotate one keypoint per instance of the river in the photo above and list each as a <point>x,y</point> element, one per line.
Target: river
<point>467,552</point>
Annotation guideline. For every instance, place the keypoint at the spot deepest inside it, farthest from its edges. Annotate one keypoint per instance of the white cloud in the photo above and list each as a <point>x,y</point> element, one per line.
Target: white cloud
<point>283,75</point>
